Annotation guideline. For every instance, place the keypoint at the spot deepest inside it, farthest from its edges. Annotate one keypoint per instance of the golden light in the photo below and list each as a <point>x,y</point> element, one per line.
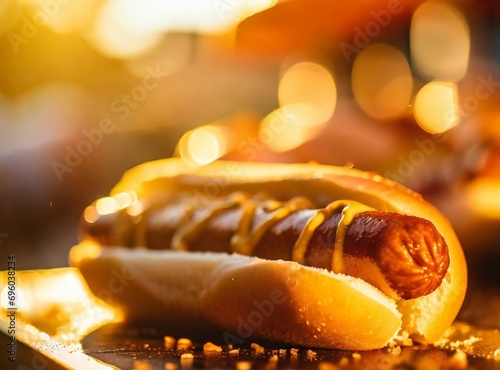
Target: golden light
<point>61,16</point>
<point>308,92</point>
<point>42,347</point>
<point>135,209</point>
<point>10,12</point>
<point>382,82</point>
<point>108,205</point>
<point>86,250</point>
<point>142,365</point>
<point>62,305</point>
<point>280,132</point>
<point>482,195</point>
<point>439,41</point>
<point>124,199</point>
<point>90,214</point>
<point>126,29</point>
<point>490,125</point>
<point>21,301</point>
<point>203,145</point>
<point>436,107</point>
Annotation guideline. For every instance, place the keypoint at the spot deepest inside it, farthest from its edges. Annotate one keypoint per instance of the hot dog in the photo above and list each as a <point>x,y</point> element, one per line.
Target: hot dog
<point>294,231</point>
<point>406,270</point>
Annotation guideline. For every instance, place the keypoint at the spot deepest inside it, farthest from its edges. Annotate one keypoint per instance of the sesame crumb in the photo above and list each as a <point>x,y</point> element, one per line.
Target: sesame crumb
<point>310,355</point>
<point>168,342</point>
<point>210,347</point>
<point>184,344</point>
<point>257,348</point>
<point>395,351</point>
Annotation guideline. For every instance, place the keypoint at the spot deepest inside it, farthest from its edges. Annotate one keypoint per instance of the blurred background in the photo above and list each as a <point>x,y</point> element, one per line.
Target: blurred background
<point>88,89</point>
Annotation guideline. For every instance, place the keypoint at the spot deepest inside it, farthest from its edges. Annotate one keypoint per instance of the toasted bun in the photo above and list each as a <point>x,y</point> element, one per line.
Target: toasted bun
<point>246,296</point>
<point>320,309</point>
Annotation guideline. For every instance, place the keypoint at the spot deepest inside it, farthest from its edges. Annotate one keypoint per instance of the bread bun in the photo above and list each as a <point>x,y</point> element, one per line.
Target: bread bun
<point>319,308</point>
<point>247,297</point>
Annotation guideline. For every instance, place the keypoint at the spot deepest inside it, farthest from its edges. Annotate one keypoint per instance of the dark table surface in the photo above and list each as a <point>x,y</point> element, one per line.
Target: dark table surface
<point>472,343</point>
<point>144,349</point>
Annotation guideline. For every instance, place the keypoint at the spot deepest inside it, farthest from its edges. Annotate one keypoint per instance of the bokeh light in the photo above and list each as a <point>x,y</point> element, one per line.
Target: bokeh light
<point>482,197</point>
<point>59,302</point>
<point>108,205</point>
<point>308,92</point>
<point>62,16</point>
<point>125,29</point>
<point>382,82</point>
<point>280,131</point>
<point>436,107</point>
<point>90,214</point>
<point>203,145</point>
<point>439,41</point>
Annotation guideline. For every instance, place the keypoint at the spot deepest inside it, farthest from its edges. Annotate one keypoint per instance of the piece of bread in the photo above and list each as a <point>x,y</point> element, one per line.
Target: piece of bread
<point>318,308</point>
<point>247,297</point>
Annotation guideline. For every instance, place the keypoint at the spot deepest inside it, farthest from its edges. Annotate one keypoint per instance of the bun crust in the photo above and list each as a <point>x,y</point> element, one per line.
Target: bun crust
<point>354,318</point>
<point>278,301</point>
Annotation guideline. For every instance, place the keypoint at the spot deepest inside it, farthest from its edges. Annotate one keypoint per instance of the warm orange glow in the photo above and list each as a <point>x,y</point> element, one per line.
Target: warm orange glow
<point>281,132</point>
<point>308,92</point>
<point>126,29</point>
<point>10,12</point>
<point>483,197</point>
<point>203,145</point>
<point>90,214</point>
<point>65,356</point>
<point>21,302</point>
<point>436,107</point>
<point>440,41</point>
<point>59,303</point>
<point>142,365</point>
<point>85,250</point>
<point>108,205</point>
<point>124,199</point>
<point>382,82</point>
<point>135,208</point>
<point>149,171</point>
<point>62,16</point>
